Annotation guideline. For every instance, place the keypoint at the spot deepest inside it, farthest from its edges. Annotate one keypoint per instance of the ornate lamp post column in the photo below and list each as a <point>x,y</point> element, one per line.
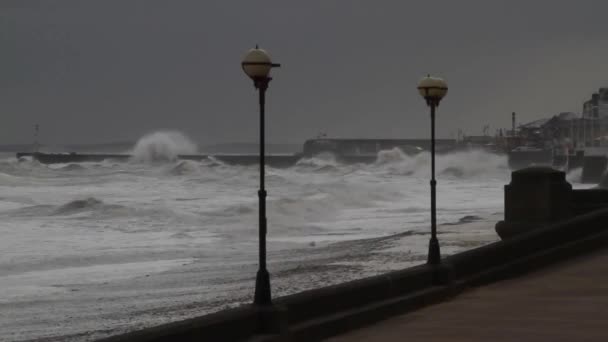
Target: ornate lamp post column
<point>257,65</point>
<point>433,90</point>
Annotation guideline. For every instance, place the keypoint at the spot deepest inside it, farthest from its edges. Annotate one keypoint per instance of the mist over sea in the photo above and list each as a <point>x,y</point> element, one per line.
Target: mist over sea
<point>96,248</point>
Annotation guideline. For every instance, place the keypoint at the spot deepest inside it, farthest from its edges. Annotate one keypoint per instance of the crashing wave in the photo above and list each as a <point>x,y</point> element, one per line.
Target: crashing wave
<point>397,154</point>
<point>78,206</point>
<point>322,162</point>
<point>162,147</point>
<point>464,164</point>
<point>92,205</point>
<point>72,167</point>
<point>184,167</point>
<point>211,161</point>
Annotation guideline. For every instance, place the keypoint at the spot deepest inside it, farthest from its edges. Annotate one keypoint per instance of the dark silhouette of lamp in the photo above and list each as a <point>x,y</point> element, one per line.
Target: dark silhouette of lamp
<point>433,89</point>
<point>257,65</point>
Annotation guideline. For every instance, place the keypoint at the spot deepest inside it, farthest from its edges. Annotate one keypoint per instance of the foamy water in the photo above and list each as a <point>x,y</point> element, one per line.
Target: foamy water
<point>155,234</point>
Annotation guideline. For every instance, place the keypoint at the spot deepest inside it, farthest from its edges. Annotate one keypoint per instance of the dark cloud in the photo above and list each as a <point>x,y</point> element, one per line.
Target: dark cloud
<point>114,70</point>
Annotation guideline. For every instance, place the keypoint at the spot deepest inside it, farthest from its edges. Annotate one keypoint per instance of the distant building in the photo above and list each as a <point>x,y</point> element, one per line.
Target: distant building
<point>559,131</point>
<point>602,103</point>
<point>594,121</point>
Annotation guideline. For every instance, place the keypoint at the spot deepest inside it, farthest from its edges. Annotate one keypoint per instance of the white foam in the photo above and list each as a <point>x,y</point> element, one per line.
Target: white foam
<point>575,175</point>
<point>41,283</point>
<point>63,228</point>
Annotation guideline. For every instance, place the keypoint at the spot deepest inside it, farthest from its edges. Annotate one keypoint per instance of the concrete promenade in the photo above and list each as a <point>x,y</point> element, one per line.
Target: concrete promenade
<point>564,302</point>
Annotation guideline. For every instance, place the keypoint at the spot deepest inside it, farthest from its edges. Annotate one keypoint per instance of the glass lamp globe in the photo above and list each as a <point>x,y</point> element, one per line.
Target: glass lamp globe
<point>432,88</point>
<point>257,63</point>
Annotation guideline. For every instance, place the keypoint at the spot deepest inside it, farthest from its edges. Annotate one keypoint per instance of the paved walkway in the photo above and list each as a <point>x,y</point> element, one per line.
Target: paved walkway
<point>567,302</point>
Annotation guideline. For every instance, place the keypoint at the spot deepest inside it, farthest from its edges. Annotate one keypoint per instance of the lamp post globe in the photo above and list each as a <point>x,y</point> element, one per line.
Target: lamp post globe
<point>257,65</point>
<point>433,89</point>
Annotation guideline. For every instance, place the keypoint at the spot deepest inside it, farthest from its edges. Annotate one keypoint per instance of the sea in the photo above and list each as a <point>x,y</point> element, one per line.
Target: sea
<point>89,250</point>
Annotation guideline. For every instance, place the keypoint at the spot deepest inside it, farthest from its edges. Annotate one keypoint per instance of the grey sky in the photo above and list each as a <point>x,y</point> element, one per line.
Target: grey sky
<point>95,71</point>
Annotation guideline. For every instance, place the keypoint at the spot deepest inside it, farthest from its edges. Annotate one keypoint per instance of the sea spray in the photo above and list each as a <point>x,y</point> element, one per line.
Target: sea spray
<point>574,175</point>
<point>162,146</point>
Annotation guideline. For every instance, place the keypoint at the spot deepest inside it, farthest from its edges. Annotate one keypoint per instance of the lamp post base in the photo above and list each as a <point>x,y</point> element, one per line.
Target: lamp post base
<point>434,257</point>
<point>262,288</point>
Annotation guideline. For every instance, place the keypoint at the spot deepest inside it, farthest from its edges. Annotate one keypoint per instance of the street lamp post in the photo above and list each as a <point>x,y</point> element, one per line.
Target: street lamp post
<point>257,65</point>
<point>433,90</point>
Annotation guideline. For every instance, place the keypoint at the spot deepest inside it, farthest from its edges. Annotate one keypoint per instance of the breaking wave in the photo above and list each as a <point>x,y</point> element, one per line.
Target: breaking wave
<point>462,164</point>
<point>322,162</point>
<point>465,164</point>
<point>80,205</point>
<point>19,172</point>
<point>395,155</point>
<point>162,146</point>
<point>72,167</point>
<point>73,207</point>
<point>19,167</point>
<point>317,203</point>
<point>92,210</point>
<point>184,167</point>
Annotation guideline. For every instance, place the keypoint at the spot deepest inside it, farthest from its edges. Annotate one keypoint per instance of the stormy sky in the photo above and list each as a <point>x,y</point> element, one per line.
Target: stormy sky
<point>100,71</point>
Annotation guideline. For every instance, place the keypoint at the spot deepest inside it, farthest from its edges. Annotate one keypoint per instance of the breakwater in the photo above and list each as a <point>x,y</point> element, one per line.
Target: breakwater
<point>271,160</point>
<point>346,151</point>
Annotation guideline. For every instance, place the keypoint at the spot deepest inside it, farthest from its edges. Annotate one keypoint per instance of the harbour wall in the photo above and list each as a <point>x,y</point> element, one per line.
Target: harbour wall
<point>278,161</point>
<point>317,314</point>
